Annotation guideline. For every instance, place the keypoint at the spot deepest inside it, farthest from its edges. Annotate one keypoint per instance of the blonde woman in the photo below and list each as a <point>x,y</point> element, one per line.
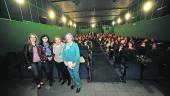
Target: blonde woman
<point>32,55</point>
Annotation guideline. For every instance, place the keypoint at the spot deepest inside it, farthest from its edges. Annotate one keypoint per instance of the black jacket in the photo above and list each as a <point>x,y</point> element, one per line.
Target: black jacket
<point>28,53</point>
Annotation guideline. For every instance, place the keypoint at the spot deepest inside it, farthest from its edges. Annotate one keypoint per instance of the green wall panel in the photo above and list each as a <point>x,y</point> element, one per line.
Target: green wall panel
<point>13,34</point>
<point>87,30</point>
<point>104,28</point>
<point>107,28</point>
<point>157,28</point>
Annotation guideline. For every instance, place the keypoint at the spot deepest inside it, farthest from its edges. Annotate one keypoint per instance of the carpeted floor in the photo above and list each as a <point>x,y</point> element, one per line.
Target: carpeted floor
<point>131,88</point>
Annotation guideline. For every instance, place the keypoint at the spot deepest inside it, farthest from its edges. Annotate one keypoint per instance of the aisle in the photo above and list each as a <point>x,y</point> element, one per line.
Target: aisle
<point>102,69</point>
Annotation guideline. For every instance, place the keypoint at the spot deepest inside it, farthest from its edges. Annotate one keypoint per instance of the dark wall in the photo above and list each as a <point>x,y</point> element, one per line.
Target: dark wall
<point>157,28</point>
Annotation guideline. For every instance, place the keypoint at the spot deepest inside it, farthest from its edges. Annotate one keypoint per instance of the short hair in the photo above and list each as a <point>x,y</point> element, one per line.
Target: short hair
<point>57,36</point>
<point>69,34</point>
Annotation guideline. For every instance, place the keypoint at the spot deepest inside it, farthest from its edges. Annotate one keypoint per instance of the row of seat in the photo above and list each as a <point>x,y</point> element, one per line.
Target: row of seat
<point>155,67</point>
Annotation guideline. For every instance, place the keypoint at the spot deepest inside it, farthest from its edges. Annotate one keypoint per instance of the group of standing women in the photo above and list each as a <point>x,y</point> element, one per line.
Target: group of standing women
<point>42,57</point>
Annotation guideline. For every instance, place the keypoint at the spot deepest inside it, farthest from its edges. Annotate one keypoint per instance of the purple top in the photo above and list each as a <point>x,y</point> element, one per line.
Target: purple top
<point>36,57</point>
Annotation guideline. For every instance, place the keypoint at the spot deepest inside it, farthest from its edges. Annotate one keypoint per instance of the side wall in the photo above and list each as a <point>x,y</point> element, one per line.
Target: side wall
<point>13,34</point>
<point>157,28</point>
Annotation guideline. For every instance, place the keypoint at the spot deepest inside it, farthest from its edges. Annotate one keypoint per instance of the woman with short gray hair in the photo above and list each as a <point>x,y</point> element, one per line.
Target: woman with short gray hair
<point>71,57</point>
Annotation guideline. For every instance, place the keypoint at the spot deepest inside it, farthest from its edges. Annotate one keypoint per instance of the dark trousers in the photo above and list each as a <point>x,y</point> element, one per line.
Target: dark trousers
<point>50,67</point>
<point>47,68</point>
<point>111,54</point>
<point>62,69</point>
<point>36,72</point>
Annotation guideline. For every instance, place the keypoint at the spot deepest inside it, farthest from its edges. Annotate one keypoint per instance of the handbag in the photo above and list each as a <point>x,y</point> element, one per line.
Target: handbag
<point>82,60</point>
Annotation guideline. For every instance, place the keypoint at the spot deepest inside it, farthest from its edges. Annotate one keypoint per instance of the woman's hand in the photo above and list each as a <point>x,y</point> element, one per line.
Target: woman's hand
<point>66,64</point>
<point>73,65</point>
<point>50,58</point>
<point>30,67</point>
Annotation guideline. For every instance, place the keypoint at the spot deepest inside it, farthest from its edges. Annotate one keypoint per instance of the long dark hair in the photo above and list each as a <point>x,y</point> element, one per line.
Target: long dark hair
<point>41,41</point>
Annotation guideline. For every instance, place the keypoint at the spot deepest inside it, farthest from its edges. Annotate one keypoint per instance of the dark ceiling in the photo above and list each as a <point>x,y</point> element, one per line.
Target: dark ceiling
<point>93,10</point>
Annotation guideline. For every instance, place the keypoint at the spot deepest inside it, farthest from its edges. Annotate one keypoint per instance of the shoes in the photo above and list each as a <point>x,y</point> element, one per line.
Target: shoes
<point>72,86</point>
<point>38,86</point>
<point>69,83</point>
<point>63,82</point>
<point>42,83</point>
<point>78,90</point>
<point>60,80</point>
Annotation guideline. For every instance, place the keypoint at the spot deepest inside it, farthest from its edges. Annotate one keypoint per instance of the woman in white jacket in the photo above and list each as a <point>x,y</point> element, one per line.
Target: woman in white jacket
<point>58,60</point>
